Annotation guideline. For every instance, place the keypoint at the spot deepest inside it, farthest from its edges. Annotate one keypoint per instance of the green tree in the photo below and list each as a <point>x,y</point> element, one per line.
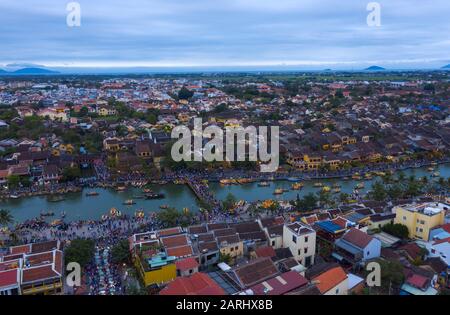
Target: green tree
<point>120,253</point>
<point>80,251</point>
<point>169,217</point>
<point>229,202</point>
<point>398,230</point>
<point>71,173</point>
<point>13,181</point>
<point>378,191</point>
<point>5,217</point>
<point>185,94</point>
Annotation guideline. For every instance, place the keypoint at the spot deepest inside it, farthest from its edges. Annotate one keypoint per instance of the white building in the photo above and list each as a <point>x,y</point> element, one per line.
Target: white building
<point>301,240</point>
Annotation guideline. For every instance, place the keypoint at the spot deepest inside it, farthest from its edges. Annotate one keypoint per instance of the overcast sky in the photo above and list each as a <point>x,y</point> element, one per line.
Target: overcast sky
<point>311,33</point>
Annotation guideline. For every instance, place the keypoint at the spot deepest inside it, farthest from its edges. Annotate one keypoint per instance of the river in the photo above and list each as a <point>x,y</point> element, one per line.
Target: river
<point>78,206</point>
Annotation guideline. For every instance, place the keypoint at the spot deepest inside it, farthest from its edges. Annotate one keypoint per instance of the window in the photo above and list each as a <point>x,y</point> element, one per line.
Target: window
<point>273,243</point>
<point>306,250</point>
<point>368,253</point>
<point>337,291</point>
<point>231,249</point>
<point>294,239</point>
<point>306,239</point>
<point>404,218</point>
<point>299,252</point>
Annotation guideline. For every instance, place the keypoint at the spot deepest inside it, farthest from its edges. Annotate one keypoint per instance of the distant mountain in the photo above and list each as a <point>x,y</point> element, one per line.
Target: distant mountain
<point>446,67</point>
<point>3,71</point>
<point>375,68</point>
<point>34,71</point>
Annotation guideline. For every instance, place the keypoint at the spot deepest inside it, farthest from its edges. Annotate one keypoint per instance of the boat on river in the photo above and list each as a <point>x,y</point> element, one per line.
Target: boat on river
<point>297,186</point>
<point>263,184</point>
<point>129,202</point>
<point>436,174</point>
<point>47,214</point>
<point>121,188</point>
<point>326,188</point>
<point>113,212</point>
<point>92,193</point>
<point>153,195</point>
<point>278,191</point>
<point>293,179</point>
<point>318,184</point>
<point>14,196</point>
<point>360,185</point>
<point>356,176</point>
<point>139,214</point>
<point>163,206</point>
<point>55,198</point>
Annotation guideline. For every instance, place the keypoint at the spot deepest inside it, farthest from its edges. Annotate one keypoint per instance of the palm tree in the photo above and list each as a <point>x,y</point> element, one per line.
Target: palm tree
<point>5,217</point>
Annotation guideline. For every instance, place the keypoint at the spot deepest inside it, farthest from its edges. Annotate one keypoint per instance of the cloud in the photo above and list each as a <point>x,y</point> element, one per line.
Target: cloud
<point>223,32</point>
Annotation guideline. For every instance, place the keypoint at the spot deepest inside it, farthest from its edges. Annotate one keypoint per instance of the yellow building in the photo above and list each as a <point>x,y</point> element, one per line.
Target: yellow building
<point>158,269</point>
<point>420,218</point>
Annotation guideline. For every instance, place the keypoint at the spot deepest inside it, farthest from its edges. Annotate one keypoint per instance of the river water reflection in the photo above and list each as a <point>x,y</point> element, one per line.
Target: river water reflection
<point>78,206</point>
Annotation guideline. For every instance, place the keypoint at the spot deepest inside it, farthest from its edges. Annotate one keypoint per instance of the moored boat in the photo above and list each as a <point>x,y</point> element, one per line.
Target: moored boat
<point>263,184</point>
<point>278,191</point>
<point>154,196</point>
<point>318,184</point>
<point>129,202</point>
<point>92,193</point>
<point>326,188</point>
<point>296,186</point>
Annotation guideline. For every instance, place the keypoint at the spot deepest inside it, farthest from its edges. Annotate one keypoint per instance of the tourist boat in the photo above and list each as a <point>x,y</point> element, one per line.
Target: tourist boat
<point>368,176</point>
<point>121,188</point>
<point>263,184</point>
<point>92,193</point>
<point>114,212</point>
<point>55,198</point>
<point>359,186</point>
<point>225,181</point>
<point>163,206</point>
<point>381,174</point>
<point>296,186</point>
<point>434,163</point>
<point>139,214</point>
<point>326,188</point>
<point>356,176</point>
<point>430,169</point>
<point>13,196</point>
<point>154,196</point>
<point>147,190</point>
<point>56,222</point>
<point>47,214</point>
<point>129,202</point>
<point>318,184</point>
<point>293,179</point>
<point>436,174</point>
<point>278,191</point>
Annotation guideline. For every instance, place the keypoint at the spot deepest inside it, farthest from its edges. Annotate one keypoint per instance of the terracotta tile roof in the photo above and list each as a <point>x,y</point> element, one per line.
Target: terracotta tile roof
<point>170,231</point>
<point>186,264</point>
<point>20,249</point>
<point>38,273</point>
<point>357,238</point>
<point>412,249</point>
<point>418,281</point>
<point>8,278</point>
<point>197,284</point>
<point>174,241</point>
<point>255,271</point>
<point>180,251</point>
<point>281,284</point>
<point>329,279</point>
<point>265,251</point>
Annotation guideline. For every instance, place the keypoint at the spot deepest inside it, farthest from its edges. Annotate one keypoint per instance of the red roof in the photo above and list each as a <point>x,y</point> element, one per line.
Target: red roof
<point>186,264</point>
<point>280,285</point>
<point>417,281</point>
<point>180,251</point>
<point>329,279</point>
<point>197,284</point>
<point>38,273</point>
<point>265,251</point>
<point>444,240</point>
<point>358,238</point>
<point>8,278</point>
